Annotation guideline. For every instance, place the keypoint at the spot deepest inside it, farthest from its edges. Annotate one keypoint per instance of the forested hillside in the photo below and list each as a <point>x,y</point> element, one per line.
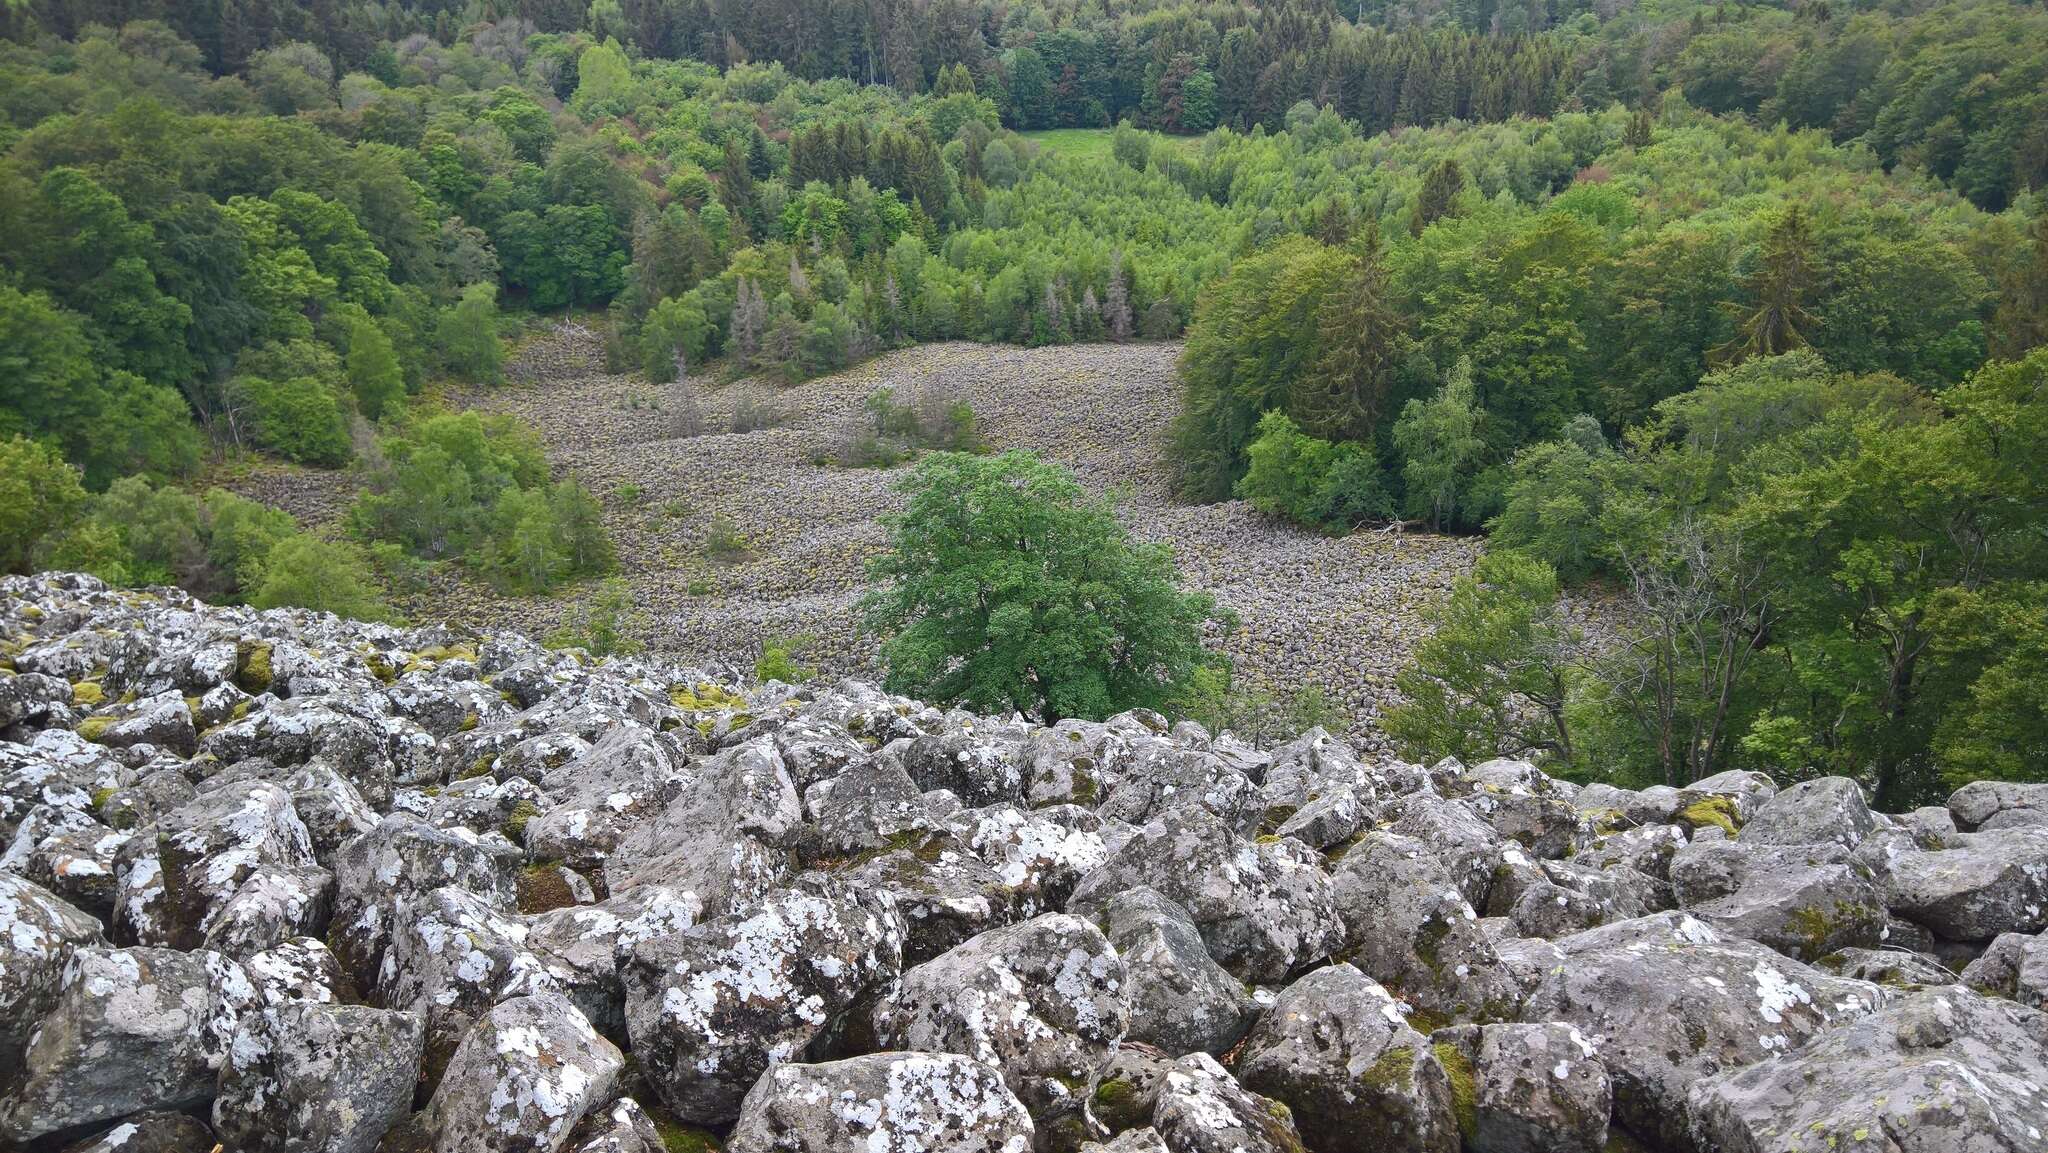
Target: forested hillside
<point>1421,254</point>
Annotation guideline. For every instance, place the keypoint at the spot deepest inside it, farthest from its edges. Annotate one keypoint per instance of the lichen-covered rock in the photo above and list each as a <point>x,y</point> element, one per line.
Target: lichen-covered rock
<point>1804,900</point>
<point>1202,1110</point>
<point>1647,849</point>
<point>943,894</point>
<point>1038,859</point>
<point>1263,907</point>
<point>1668,1000</point>
<point>1457,837</point>
<point>162,721</point>
<point>400,860</point>
<point>1145,1140</point>
<point>1943,1069</point>
<point>1326,820</point>
<point>1408,926</point>
<point>1825,810</point>
<point>522,1079</point>
<point>872,804</point>
<point>300,969</point>
<point>1041,1000</point>
<point>132,1029</point>
<point>1892,968</point>
<point>1072,762</point>
<point>967,763</point>
<point>1980,801</point>
<point>883,1103</point>
<point>451,950</point>
<point>1985,884</point>
<point>582,946</point>
<point>710,1008</point>
<point>729,837</point>
<point>306,1077</point>
<point>1337,1050</point>
<point>621,1127</point>
<point>150,1133</point>
<point>2014,967</point>
<point>1180,999</point>
<point>38,931</point>
<point>1524,1088</point>
<point>79,866</point>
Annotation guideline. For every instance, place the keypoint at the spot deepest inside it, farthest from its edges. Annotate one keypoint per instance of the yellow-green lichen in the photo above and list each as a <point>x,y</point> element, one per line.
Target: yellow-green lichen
<point>88,693</point>
<point>704,695</point>
<point>481,767</point>
<point>101,796</point>
<point>469,722</point>
<point>93,728</point>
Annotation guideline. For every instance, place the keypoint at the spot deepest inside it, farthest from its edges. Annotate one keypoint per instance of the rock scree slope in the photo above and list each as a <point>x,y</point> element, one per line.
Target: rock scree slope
<point>1339,613</point>
<point>284,882</point>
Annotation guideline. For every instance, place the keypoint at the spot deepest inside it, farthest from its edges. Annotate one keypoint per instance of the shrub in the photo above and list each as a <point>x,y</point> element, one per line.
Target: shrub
<point>598,624</point>
<point>39,495</point>
<point>299,419</point>
<point>469,336</point>
<point>777,661</point>
<point>304,571</point>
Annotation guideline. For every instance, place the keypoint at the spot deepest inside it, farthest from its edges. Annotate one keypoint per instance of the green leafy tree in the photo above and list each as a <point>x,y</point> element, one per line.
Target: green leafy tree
<point>1439,195</point>
<point>1007,587</point>
<point>599,623</point>
<point>39,496</point>
<point>1495,675</point>
<point>372,366</point>
<point>299,418</point>
<point>1439,443</point>
<point>469,336</point>
<point>304,571</point>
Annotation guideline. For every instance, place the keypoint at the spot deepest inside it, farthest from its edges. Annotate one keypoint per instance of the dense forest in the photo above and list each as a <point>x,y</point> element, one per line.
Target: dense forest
<point>1422,255</point>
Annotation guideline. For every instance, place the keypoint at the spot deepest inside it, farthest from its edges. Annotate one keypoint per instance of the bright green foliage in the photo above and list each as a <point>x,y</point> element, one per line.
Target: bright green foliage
<point>299,418</point>
<point>1311,481</point>
<point>1008,587</point>
<point>304,571</point>
<point>1553,508</point>
<point>138,533</point>
<point>373,372</point>
<point>778,661</point>
<point>1439,439</point>
<point>39,494</point>
<point>469,336</point>
<point>1495,675</point>
<point>465,485</point>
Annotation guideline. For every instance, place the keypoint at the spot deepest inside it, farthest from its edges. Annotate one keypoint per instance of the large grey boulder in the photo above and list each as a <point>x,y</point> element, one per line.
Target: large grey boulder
<point>2014,967</point>
<point>132,1029</point>
<point>1336,1049</point>
<point>1408,926</point>
<point>1981,801</point>
<point>583,946</point>
<point>1202,1110</point>
<point>38,931</point>
<point>209,847</point>
<point>1263,907</point>
<point>1036,857</point>
<point>883,1103</point>
<point>621,1127</point>
<point>1527,1088</point>
<point>1668,1001</point>
<point>1804,900</point>
<point>944,895</point>
<point>1041,1001</point>
<point>1943,1070</point>
<point>1987,883</point>
<point>401,860</point>
<point>1180,999</point>
<point>522,1079</point>
<point>710,1008</point>
<point>453,951</point>
<point>304,1077</point>
<point>150,1133</point>
<point>1825,810</point>
<point>730,837</point>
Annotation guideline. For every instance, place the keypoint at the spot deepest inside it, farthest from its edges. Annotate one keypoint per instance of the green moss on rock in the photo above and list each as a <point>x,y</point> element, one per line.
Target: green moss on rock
<point>1717,811</point>
<point>1464,1086</point>
<point>252,667</point>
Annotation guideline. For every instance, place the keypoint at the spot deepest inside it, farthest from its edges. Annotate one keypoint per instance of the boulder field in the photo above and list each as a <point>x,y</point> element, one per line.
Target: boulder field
<point>284,883</point>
